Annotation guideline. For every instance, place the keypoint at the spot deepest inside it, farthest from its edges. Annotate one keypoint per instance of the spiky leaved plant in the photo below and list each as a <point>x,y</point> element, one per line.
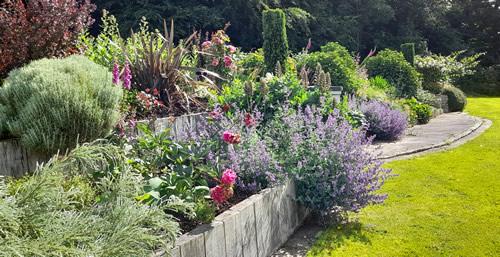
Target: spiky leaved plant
<point>160,64</point>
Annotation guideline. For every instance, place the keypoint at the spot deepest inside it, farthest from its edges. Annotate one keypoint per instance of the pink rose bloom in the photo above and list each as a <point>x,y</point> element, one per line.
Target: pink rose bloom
<point>232,49</point>
<point>228,61</point>
<point>218,195</point>
<point>231,138</point>
<point>215,62</point>
<point>206,44</point>
<point>228,177</point>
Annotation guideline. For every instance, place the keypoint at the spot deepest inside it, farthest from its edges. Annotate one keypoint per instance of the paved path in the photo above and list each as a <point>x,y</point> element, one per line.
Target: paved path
<point>439,132</point>
<point>443,132</point>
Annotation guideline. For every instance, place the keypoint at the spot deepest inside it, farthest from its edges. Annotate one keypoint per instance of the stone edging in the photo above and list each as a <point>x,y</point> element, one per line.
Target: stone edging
<point>255,227</point>
<point>479,123</point>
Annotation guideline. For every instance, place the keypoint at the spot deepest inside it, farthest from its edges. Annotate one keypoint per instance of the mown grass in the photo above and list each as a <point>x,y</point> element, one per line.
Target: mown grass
<point>441,204</point>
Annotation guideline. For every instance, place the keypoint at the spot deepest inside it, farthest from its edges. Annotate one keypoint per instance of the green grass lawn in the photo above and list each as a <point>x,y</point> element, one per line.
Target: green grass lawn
<point>441,204</point>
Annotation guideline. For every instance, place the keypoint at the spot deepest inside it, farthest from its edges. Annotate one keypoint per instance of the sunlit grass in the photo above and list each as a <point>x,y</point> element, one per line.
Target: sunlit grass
<point>441,204</point>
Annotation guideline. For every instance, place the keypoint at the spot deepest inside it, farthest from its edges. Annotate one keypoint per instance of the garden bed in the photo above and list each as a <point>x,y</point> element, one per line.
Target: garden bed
<point>256,226</point>
<point>16,160</point>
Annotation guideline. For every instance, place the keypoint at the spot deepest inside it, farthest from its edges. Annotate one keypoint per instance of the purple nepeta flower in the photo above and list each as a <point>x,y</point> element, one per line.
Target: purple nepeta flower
<point>329,160</point>
<point>384,122</point>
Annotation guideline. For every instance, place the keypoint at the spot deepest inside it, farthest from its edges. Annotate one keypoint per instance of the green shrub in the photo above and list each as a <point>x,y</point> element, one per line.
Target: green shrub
<point>3,121</point>
<point>53,104</point>
<point>379,82</point>
<point>252,61</point>
<point>429,98</point>
<point>275,39</point>
<point>456,98</point>
<point>438,70</point>
<point>486,81</point>
<point>268,95</point>
<point>420,112</point>
<point>392,66</point>
<point>408,50</point>
<point>336,60</point>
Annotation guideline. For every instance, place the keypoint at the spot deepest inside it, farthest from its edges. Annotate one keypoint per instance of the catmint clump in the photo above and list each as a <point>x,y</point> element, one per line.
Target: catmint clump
<point>384,122</point>
<point>329,161</point>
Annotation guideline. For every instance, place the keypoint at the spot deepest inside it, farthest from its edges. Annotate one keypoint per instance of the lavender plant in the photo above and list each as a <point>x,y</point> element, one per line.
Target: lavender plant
<point>334,173</point>
<point>384,122</point>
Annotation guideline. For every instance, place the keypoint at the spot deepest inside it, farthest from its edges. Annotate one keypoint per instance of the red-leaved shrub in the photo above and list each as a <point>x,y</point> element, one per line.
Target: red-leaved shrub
<point>36,29</point>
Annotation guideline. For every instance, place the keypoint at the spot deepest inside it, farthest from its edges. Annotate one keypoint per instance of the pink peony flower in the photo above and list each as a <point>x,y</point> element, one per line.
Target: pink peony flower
<point>228,61</point>
<point>249,120</point>
<point>232,49</point>
<point>229,177</point>
<point>218,195</point>
<point>215,62</point>
<point>206,45</point>
<point>231,138</point>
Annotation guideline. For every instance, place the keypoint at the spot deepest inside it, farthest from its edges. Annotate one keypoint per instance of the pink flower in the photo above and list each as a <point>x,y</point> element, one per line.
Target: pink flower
<point>127,76</point>
<point>229,177</point>
<point>231,138</point>
<point>206,44</point>
<point>116,73</point>
<point>218,195</point>
<point>249,120</point>
<point>232,49</point>
<point>215,114</point>
<point>217,40</point>
<point>156,92</point>
<point>215,62</point>
<point>228,61</point>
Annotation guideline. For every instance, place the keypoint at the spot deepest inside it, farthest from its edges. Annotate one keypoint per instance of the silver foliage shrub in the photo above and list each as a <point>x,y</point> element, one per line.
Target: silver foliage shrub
<point>54,104</point>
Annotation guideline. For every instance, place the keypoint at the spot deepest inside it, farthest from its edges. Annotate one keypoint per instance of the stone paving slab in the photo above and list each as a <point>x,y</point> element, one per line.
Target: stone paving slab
<point>439,132</point>
<point>443,132</point>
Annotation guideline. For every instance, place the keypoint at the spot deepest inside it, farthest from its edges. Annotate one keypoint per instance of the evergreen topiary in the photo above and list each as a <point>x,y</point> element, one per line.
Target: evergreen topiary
<point>54,104</point>
<point>392,66</point>
<point>408,50</point>
<point>275,39</point>
<point>456,98</point>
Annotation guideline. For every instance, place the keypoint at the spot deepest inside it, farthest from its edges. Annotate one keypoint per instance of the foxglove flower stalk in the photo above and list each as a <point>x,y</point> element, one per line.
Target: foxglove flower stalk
<point>116,73</point>
<point>127,77</point>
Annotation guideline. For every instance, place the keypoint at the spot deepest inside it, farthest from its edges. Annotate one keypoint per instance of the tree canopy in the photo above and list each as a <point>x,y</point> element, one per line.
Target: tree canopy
<point>360,25</point>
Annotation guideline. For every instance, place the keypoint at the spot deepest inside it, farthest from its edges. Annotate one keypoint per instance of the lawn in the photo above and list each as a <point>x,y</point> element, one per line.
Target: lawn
<point>441,204</point>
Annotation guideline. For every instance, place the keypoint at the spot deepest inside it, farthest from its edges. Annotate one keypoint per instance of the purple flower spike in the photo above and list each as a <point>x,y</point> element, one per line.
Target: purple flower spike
<point>127,77</point>
<point>116,73</point>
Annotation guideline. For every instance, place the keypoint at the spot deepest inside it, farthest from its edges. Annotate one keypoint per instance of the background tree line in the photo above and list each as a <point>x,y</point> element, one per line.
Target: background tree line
<point>360,25</point>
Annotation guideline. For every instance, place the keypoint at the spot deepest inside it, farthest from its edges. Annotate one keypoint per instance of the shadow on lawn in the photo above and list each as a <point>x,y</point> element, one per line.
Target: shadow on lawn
<point>337,235</point>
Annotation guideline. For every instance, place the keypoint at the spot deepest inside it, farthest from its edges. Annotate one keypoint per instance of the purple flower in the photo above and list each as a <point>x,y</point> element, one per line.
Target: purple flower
<point>127,77</point>
<point>384,122</point>
<point>116,73</point>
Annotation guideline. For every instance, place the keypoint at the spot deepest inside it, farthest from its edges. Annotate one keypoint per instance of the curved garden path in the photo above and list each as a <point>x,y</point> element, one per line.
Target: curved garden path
<point>445,132</point>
